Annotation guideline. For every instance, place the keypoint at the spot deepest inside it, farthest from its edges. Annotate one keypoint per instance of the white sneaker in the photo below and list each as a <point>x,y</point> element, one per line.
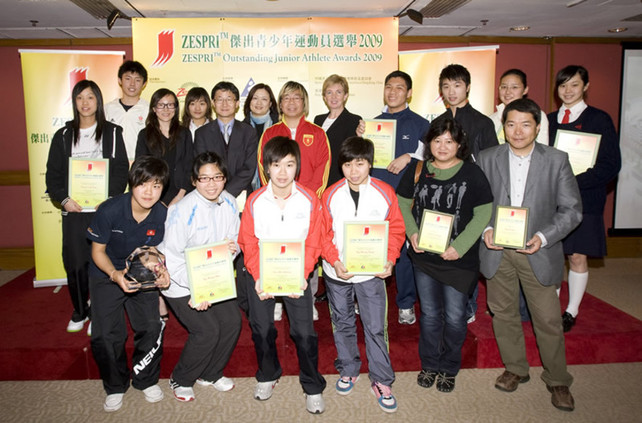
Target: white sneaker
<point>182,393</point>
<point>89,329</point>
<point>113,402</point>
<point>471,319</point>
<point>263,390</point>
<point>153,394</point>
<point>315,313</point>
<point>278,312</point>
<point>356,308</point>
<point>76,326</point>
<point>224,384</point>
<point>314,403</point>
<point>407,316</point>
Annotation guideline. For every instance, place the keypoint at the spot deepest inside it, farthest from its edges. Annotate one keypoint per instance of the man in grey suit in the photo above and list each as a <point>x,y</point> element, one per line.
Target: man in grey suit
<point>523,173</point>
<point>235,141</point>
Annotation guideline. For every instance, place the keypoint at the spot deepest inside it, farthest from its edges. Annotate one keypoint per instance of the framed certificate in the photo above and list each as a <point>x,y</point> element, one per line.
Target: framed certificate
<point>88,181</point>
<point>282,267</point>
<point>365,247</point>
<point>210,273</point>
<point>383,134</point>
<point>435,230</point>
<point>510,227</point>
<point>581,147</point>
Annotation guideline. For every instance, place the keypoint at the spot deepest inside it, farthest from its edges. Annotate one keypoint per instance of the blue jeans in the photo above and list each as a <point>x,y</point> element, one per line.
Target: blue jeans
<point>406,290</point>
<point>442,324</point>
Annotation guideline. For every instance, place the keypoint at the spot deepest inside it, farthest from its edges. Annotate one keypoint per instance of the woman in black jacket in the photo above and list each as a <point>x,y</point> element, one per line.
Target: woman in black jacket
<point>87,136</point>
<point>163,137</point>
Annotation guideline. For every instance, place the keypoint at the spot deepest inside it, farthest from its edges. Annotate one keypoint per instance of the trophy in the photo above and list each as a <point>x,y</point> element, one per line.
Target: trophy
<point>144,265</point>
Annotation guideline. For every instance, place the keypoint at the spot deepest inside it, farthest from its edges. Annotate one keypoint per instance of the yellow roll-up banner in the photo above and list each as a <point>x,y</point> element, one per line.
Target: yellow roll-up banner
<point>48,78</point>
<point>182,53</point>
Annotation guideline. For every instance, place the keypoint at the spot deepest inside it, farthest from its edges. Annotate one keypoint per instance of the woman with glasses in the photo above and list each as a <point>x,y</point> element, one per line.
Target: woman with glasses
<point>204,216</point>
<point>165,138</point>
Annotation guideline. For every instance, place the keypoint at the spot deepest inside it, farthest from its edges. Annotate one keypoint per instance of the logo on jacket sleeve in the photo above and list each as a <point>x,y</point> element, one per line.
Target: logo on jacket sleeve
<point>308,139</point>
<point>165,48</point>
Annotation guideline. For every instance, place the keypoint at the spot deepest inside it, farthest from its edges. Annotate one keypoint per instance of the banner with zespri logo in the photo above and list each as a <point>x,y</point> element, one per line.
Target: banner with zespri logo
<point>48,78</point>
<point>182,53</point>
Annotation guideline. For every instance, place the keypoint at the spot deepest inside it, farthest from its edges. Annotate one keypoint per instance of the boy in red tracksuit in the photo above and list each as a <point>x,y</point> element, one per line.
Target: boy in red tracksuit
<point>283,209</point>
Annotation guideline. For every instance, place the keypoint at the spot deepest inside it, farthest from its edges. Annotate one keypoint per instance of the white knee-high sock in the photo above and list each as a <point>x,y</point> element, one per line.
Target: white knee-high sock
<point>576,287</point>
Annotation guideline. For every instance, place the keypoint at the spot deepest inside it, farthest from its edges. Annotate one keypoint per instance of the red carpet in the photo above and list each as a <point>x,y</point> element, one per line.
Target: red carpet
<point>35,345</point>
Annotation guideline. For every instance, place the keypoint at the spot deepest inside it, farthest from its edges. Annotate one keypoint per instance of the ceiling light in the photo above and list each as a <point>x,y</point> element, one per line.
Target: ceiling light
<point>616,30</point>
<point>520,28</point>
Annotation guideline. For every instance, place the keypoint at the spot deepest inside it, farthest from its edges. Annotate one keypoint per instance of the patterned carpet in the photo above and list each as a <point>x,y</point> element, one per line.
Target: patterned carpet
<point>603,393</point>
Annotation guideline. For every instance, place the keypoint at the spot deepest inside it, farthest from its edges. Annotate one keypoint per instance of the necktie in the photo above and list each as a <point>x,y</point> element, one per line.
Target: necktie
<point>226,133</point>
<point>567,115</point>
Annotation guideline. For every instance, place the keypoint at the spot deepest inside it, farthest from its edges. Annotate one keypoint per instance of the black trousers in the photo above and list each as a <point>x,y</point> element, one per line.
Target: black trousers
<point>213,334</point>
<point>76,252</point>
<point>302,331</point>
<point>109,335</point>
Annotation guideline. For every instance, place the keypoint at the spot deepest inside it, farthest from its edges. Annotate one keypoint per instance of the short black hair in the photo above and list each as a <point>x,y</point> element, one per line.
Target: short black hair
<point>523,105</point>
<point>205,158</point>
<point>278,148</point>
<point>570,71</point>
<point>454,72</point>
<point>400,74</point>
<point>133,67</point>
<point>148,168</point>
<point>356,148</point>
<point>225,86</point>
<point>440,126</point>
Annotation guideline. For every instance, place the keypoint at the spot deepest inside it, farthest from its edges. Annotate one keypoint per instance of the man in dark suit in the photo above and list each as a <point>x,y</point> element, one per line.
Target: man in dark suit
<point>235,141</point>
<point>523,173</point>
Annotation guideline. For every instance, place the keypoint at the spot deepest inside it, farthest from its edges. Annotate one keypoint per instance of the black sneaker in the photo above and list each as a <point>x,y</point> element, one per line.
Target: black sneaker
<point>426,378</point>
<point>445,382</point>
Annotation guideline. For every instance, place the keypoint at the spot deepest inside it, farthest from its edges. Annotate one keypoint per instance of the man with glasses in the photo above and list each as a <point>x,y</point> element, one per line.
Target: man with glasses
<point>230,139</point>
<point>130,110</point>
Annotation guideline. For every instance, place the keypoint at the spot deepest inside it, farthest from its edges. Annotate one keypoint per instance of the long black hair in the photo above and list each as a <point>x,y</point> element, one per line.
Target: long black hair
<point>100,110</point>
<point>153,134</point>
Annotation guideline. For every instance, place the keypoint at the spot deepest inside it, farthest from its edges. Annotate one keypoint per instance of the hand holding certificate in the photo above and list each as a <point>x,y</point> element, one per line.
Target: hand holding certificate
<point>365,248</point>
<point>210,273</point>
<point>88,181</point>
<point>282,264</point>
<point>581,148</point>
<point>434,234</point>
<point>510,227</point>
<point>383,134</point>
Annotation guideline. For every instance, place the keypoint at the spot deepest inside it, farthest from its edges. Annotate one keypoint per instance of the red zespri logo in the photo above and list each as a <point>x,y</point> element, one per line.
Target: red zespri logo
<point>165,48</point>
<point>75,76</point>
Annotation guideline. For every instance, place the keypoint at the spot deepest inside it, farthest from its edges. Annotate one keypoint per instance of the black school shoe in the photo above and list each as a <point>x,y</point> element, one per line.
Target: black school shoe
<point>426,378</point>
<point>568,321</point>
<point>445,382</point>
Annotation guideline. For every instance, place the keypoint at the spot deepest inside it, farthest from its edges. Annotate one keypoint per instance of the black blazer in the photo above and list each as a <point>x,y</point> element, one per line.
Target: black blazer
<point>240,157</point>
<point>344,127</point>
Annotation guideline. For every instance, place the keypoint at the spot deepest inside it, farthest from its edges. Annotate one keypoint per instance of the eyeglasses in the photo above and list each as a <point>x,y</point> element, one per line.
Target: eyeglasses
<point>224,100</point>
<point>294,99</point>
<point>169,106</point>
<point>206,179</point>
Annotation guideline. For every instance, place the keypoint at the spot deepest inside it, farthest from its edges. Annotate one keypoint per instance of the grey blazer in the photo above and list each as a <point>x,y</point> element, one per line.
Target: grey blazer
<point>240,157</point>
<point>553,199</point>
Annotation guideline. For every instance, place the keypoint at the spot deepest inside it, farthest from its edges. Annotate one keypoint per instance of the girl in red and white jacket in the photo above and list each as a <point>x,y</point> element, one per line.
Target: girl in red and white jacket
<point>283,209</point>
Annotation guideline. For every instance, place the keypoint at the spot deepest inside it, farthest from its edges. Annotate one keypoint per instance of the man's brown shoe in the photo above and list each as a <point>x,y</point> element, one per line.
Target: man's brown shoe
<point>561,398</point>
<point>508,382</point>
